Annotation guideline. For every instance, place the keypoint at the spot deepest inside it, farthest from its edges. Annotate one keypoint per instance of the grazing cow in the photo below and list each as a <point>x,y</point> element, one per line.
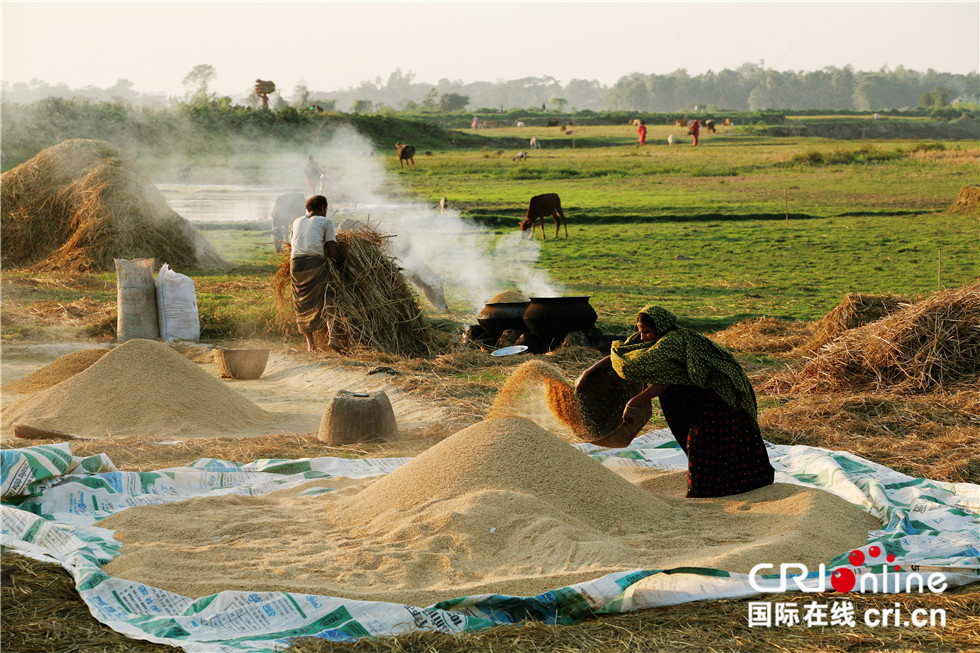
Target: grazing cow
<point>534,143</point>
<point>405,153</point>
<point>521,156</point>
<point>540,207</point>
<point>709,125</point>
<point>443,203</point>
<point>680,123</point>
<point>552,123</point>
<point>287,208</point>
<point>728,122</point>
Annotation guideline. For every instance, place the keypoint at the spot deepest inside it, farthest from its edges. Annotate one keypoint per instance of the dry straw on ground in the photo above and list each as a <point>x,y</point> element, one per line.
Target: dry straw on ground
<point>763,335</point>
<point>855,310</point>
<point>928,345</point>
<point>78,205</point>
<point>370,299</point>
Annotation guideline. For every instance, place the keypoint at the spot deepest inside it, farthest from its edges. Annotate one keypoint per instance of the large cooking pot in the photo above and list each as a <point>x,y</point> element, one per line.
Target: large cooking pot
<point>552,318</point>
<point>497,317</point>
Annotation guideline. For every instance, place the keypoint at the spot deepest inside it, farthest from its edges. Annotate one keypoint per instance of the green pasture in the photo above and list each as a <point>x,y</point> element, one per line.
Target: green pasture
<point>737,228</point>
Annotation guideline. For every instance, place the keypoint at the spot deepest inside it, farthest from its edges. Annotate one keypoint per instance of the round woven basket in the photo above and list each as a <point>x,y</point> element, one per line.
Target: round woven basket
<point>602,399</point>
<point>241,364</point>
<point>355,417</point>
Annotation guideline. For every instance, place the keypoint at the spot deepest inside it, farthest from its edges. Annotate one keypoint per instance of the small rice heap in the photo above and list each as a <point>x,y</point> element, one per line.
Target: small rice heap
<point>57,371</point>
<point>509,297</point>
<point>932,344</point>
<point>369,297</point>
<point>141,387</point>
<point>79,204</point>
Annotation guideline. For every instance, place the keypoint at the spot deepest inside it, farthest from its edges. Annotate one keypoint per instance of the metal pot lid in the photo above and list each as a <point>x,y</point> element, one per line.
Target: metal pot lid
<point>510,351</point>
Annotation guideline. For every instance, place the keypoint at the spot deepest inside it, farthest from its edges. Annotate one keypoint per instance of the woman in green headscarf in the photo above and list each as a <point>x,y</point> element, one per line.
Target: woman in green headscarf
<point>705,397</point>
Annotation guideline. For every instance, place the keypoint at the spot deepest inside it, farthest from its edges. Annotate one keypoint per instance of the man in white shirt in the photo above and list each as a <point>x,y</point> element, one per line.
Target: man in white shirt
<point>312,239</point>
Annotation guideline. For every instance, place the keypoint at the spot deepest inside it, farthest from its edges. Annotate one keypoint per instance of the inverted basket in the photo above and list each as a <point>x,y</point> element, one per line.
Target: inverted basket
<point>241,364</point>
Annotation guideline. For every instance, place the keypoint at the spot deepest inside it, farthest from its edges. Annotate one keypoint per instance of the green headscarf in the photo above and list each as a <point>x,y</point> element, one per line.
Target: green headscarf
<point>681,356</point>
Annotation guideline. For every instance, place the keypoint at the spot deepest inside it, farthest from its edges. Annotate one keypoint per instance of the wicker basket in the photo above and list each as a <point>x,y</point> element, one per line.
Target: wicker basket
<point>355,417</point>
<point>241,364</point>
<point>603,398</point>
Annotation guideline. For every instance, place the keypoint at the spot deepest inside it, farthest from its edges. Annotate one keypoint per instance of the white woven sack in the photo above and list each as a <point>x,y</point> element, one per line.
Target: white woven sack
<point>177,306</point>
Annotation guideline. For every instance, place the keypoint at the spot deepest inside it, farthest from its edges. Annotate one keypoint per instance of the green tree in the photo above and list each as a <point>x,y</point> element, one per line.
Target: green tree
<point>449,102</point>
<point>559,103</point>
<point>361,106</point>
<point>197,81</point>
<point>429,101</point>
<point>936,98</point>
<point>301,95</point>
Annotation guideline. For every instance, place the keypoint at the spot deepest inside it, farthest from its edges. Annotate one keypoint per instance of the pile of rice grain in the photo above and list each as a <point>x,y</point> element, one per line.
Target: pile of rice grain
<point>500,507</point>
<point>141,387</point>
<point>57,371</point>
<point>509,297</point>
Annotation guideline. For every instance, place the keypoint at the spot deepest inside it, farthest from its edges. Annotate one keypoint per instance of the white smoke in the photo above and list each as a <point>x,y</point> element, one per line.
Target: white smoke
<point>473,262</point>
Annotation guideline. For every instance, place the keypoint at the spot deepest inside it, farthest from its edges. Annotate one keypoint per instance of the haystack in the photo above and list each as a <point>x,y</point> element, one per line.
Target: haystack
<point>968,201</point>
<point>369,298</point>
<point>80,204</point>
<point>762,335</point>
<point>933,344</point>
<point>855,310</point>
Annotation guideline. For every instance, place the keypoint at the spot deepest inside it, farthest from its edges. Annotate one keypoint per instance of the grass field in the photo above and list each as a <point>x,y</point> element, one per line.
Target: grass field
<point>743,226</point>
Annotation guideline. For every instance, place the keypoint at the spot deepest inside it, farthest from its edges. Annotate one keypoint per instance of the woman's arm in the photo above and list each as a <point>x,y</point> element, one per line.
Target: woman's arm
<point>601,363</point>
<point>645,395</point>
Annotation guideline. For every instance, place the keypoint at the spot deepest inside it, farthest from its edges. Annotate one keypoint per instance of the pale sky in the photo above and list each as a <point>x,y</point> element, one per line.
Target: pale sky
<point>335,45</point>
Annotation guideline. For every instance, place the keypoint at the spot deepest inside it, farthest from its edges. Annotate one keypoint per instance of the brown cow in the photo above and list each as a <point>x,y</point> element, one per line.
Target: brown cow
<point>405,153</point>
<point>728,122</point>
<point>680,123</point>
<point>541,207</point>
<point>709,125</point>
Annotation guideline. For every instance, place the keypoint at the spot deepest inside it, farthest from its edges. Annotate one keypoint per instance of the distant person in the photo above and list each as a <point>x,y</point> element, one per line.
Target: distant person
<point>313,173</point>
<point>695,130</point>
<point>312,239</point>
<point>642,131</point>
<point>706,398</point>
<point>476,122</point>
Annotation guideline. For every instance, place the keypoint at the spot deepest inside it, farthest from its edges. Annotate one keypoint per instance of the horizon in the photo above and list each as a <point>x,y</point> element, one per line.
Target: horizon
<point>245,41</point>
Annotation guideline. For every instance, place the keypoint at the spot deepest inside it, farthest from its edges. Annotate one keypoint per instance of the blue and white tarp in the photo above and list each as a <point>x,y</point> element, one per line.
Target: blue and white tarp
<point>52,502</point>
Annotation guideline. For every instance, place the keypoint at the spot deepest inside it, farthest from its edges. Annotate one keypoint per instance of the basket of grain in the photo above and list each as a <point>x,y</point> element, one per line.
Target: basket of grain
<point>241,364</point>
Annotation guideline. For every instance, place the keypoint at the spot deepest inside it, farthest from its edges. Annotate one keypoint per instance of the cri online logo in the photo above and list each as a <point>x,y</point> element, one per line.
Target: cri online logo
<point>843,579</point>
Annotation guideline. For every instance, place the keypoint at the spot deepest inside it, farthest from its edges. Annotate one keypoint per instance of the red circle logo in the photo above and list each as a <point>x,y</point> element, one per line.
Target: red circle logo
<point>856,558</point>
<point>843,580</point>
<point>874,551</point>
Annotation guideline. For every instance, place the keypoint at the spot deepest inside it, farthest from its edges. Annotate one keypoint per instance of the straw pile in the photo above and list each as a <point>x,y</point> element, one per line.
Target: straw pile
<point>933,344</point>
<point>57,371</point>
<point>855,310</point>
<point>141,387</point>
<point>369,298</point>
<point>968,201</point>
<point>80,204</point>
<point>763,335</point>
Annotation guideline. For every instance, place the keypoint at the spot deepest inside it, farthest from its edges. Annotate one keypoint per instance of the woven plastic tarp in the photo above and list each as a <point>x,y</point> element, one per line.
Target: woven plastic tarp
<point>52,502</point>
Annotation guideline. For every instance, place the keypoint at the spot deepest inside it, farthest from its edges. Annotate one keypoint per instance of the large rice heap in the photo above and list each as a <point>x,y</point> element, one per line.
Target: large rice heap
<point>369,298</point>
<point>79,204</point>
<point>923,346</point>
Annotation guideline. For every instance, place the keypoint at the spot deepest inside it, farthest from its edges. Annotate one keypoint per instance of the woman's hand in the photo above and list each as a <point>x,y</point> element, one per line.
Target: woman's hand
<point>631,412</point>
<point>584,376</point>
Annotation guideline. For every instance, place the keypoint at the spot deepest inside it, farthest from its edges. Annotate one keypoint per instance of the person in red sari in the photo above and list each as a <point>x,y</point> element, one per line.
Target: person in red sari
<point>695,130</point>
<point>642,131</point>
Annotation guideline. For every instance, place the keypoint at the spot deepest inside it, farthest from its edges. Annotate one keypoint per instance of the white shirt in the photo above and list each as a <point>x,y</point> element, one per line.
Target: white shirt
<point>308,235</point>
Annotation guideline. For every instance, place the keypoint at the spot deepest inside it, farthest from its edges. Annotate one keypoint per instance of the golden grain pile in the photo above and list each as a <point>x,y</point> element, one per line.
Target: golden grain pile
<point>932,344</point>
<point>79,204</point>
<point>141,387</point>
<point>370,299</point>
<point>57,371</point>
<point>509,297</point>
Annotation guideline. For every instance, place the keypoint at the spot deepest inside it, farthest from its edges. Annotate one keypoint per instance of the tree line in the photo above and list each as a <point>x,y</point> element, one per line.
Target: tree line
<point>750,87</point>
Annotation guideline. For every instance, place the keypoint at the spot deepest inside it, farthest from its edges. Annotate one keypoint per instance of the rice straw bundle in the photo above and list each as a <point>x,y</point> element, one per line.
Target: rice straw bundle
<point>855,310</point>
<point>80,204</point>
<point>369,298</point>
<point>929,345</point>
<point>762,335</point>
